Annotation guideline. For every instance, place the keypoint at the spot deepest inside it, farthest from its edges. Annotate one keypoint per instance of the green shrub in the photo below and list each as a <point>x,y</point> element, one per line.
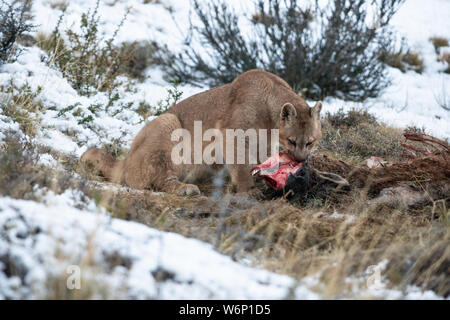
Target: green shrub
<point>146,110</point>
<point>92,64</point>
<point>89,62</point>
<point>21,105</point>
<point>140,56</point>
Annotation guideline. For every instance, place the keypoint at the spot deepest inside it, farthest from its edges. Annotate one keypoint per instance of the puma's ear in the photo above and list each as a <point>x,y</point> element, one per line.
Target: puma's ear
<point>315,111</point>
<point>288,113</point>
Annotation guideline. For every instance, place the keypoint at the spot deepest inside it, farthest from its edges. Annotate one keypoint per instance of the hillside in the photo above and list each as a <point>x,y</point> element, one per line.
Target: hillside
<point>135,244</point>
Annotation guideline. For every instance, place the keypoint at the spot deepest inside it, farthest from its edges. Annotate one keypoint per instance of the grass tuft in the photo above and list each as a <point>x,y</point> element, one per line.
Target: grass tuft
<point>404,61</point>
<point>439,42</point>
<point>22,106</point>
<point>357,135</point>
<point>445,57</point>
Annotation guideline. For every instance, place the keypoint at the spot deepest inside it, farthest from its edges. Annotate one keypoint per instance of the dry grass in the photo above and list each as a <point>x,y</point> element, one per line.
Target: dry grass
<point>445,57</point>
<point>356,135</point>
<point>413,60</point>
<point>91,286</point>
<point>298,241</point>
<point>263,19</point>
<point>439,42</point>
<point>21,105</point>
<point>404,61</point>
<point>59,4</point>
<point>21,172</point>
<point>21,176</point>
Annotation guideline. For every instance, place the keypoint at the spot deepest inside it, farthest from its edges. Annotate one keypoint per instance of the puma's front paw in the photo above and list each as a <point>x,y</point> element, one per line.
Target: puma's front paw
<point>254,193</point>
<point>188,190</point>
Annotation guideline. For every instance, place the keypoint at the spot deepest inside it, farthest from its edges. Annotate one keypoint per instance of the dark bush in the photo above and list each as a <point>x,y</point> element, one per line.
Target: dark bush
<point>330,50</point>
<point>18,163</point>
<point>14,23</point>
<point>140,56</point>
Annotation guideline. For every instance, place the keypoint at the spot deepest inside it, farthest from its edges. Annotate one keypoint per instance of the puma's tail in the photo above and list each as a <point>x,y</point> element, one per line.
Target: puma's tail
<point>105,164</point>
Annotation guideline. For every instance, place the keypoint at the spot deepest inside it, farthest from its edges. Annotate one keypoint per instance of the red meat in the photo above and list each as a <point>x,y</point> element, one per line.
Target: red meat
<point>276,170</point>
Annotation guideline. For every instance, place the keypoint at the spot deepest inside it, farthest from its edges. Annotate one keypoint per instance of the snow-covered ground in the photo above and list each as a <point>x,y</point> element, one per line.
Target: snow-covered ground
<point>44,238</point>
<point>413,99</point>
<point>50,244</point>
<point>125,259</point>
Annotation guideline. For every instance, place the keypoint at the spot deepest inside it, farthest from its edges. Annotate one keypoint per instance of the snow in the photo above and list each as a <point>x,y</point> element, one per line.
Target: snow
<point>44,238</point>
<point>379,289</point>
<point>47,160</point>
<point>419,21</point>
<point>43,241</point>
<point>411,99</point>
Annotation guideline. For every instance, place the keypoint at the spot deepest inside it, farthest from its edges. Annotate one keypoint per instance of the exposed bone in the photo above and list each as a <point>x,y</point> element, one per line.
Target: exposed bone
<point>332,177</point>
<point>440,146</point>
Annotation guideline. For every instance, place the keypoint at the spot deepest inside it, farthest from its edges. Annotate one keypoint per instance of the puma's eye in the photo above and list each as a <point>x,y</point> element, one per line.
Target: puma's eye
<point>292,142</point>
<point>309,143</point>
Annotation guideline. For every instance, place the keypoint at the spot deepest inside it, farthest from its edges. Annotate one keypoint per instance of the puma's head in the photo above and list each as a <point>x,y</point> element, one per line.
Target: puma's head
<point>300,131</point>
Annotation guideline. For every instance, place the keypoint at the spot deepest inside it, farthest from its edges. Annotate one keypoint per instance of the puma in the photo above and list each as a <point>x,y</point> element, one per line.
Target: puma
<point>256,99</point>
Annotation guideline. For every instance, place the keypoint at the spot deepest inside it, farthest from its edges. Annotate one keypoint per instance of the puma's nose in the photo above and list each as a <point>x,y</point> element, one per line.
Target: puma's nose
<point>301,156</point>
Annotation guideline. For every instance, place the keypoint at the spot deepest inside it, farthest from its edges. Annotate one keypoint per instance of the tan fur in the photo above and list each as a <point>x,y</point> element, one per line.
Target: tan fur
<point>256,99</point>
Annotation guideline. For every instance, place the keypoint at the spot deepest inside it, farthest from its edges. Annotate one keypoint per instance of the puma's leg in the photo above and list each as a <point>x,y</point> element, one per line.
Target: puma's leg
<point>241,177</point>
<point>173,185</point>
<point>149,164</point>
<point>243,180</point>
